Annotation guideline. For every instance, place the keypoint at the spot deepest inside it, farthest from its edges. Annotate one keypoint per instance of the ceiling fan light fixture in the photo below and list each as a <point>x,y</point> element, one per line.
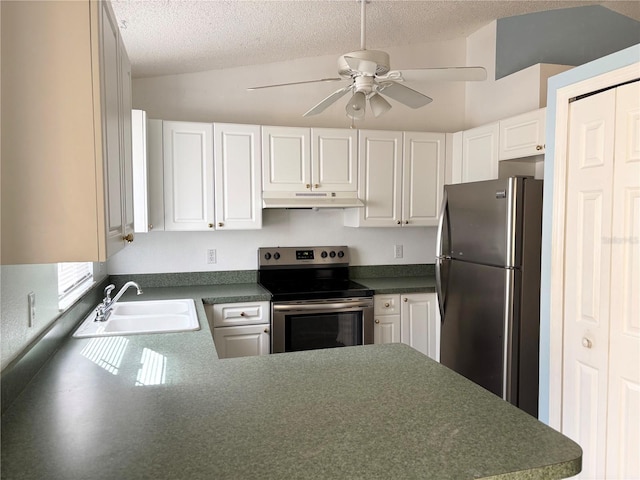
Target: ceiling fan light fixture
<point>356,106</point>
<point>378,105</point>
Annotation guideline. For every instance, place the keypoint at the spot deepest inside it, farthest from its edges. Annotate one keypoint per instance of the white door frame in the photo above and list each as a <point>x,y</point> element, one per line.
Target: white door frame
<point>556,320</point>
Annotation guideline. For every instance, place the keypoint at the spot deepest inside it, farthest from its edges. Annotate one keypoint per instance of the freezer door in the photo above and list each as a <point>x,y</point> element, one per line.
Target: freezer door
<point>482,221</point>
<point>477,326</point>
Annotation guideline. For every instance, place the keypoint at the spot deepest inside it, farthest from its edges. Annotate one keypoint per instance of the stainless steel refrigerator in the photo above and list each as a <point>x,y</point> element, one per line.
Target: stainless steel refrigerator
<point>488,285</point>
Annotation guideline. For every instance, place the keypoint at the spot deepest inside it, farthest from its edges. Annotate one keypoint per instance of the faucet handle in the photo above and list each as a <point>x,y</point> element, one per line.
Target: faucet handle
<point>107,292</point>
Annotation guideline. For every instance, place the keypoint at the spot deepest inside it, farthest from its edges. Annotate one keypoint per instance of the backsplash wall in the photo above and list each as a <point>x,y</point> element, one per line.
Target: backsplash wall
<point>159,252</point>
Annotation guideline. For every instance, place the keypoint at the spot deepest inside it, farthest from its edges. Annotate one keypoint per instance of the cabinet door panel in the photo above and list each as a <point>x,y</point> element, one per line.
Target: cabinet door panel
<point>286,152</point>
<point>188,175</point>
<point>480,153</point>
<point>238,168</point>
<point>419,323</point>
<point>243,341</point>
<point>423,178</point>
<point>126,132</point>
<point>386,329</point>
<point>334,160</point>
<point>522,136</point>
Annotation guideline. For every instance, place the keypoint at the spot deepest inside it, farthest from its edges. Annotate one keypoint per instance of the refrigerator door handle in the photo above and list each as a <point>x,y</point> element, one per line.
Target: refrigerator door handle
<point>444,210</point>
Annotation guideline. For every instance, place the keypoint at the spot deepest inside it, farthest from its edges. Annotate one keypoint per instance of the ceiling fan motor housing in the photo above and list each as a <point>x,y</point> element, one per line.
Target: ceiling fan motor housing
<point>381,59</point>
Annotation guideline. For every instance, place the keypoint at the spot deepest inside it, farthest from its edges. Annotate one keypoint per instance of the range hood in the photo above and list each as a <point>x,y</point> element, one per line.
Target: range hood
<point>311,200</point>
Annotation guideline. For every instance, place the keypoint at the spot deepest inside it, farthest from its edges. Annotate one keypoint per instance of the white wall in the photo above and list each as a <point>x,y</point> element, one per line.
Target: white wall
<point>221,95</point>
<point>158,252</point>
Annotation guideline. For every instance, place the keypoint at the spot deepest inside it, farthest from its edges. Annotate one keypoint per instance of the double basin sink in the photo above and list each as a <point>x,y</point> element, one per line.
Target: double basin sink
<point>152,316</point>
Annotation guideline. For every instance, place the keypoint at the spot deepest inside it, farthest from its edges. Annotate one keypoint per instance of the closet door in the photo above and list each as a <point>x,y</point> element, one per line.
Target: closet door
<point>623,421</point>
<point>587,277</point>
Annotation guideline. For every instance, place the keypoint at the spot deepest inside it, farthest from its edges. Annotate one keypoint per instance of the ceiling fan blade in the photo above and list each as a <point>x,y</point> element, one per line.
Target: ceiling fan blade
<point>365,66</point>
<point>296,83</point>
<point>320,107</point>
<point>404,95</point>
<point>461,74</point>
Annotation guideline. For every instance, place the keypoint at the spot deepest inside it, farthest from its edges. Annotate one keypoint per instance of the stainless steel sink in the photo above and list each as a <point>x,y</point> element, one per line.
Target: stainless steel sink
<point>153,316</point>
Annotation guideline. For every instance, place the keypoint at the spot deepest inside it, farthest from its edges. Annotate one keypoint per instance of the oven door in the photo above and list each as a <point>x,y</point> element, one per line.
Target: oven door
<point>314,324</point>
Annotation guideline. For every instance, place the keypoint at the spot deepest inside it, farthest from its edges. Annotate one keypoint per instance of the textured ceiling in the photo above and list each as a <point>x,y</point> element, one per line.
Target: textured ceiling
<point>178,36</point>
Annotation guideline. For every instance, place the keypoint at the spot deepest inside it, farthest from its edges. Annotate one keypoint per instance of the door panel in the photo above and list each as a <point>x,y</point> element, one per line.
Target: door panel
<point>472,336</point>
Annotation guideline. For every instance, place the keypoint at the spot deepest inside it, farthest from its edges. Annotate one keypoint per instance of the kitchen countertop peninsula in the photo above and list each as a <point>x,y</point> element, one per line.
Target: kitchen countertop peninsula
<point>163,406</point>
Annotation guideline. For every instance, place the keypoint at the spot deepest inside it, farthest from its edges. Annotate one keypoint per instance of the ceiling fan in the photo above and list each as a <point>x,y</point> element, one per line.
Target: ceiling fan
<point>371,79</point>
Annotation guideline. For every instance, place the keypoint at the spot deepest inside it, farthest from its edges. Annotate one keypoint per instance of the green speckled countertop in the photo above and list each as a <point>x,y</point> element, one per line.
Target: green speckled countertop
<point>165,407</point>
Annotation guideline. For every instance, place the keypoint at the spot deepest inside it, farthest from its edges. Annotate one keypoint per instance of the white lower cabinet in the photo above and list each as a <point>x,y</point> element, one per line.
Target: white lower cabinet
<point>240,329</point>
<point>409,318</point>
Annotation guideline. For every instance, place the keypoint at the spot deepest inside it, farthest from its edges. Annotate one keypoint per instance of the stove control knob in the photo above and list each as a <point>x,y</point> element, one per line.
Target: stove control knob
<point>324,254</point>
<point>276,255</point>
<point>340,254</point>
<point>267,256</point>
<point>332,254</point>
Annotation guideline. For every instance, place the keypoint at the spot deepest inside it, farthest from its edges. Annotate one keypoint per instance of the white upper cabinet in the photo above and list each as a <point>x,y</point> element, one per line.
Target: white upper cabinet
<point>523,135</point>
<point>480,153</point>
<point>188,176</point>
<point>126,154</point>
<point>238,173</point>
<point>423,167</point>
<point>287,159</point>
<point>401,177</point>
<point>334,160</point>
<point>65,196</point>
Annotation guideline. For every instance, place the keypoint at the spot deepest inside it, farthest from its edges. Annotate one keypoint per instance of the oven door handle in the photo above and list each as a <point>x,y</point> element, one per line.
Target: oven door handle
<point>320,306</point>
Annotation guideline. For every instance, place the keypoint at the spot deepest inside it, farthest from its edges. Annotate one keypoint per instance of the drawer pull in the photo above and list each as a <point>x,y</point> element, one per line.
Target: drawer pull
<point>387,305</point>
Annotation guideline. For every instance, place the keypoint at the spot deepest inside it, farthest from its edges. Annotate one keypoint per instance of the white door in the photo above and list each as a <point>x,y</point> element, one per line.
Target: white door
<point>523,135</point>
<point>419,323</point>
<point>380,178</point>
<point>286,153</point>
<point>423,164</point>
<point>623,421</point>
<point>111,130</point>
<point>386,329</point>
<point>334,160</point>
<point>480,153</point>
<point>238,173</point>
<point>601,384</point>
<point>188,175</point>
<point>241,341</point>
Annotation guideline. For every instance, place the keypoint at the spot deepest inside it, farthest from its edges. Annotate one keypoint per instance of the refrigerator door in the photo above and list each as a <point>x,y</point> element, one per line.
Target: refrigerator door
<point>478,325</point>
<point>482,220</point>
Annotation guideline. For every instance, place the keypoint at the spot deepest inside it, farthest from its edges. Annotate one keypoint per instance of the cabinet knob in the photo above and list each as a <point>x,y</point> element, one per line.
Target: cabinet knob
<point>586,343</point>
<point>308,185</point>
<point>405,299</point>
<point>316,185</point>
<point>220,224</point>
<point>406,222</point>
<point>539,147</point>
<point>128,238</point>
<point>399,222</point>
<point>211,225</point>
<point>266,330</point>
<point>151,226</point>
<point>242,314</point>
<point>377,321</point>
<point>386,304</point>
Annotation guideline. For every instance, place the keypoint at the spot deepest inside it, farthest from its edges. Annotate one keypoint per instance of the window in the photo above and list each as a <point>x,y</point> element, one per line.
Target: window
<point>73,280</point>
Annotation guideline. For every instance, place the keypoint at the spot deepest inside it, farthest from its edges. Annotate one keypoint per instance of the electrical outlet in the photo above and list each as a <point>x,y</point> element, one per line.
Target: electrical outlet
<point>32,309</point>
<point>397,251</point>
<point>211,256</point>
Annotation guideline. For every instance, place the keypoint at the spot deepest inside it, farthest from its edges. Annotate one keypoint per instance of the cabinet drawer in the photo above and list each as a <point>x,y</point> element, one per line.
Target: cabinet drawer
<point>386,304</point>
<point>232,314</point>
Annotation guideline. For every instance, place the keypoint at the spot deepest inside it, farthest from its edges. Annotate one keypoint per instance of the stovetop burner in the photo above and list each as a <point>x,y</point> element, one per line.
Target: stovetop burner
<point>307,273</point>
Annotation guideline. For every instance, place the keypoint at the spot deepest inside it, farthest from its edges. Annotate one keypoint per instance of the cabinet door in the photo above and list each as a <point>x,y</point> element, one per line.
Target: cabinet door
<point>286,153</point>
<point>423,164</point>
<point>126,144</point>
<point>242,341</point>
<point>334,160</point>
<point>386,329</point>
<point>111,130</point>
<point>523,135</point>
<point>238,172</point>
<point>380,178</point>
<point>419,323</point>
<point>188,176</point>
<point>480,153</point>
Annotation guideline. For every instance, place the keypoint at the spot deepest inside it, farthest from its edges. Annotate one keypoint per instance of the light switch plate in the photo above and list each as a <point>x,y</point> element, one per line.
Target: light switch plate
<point>397,251</point>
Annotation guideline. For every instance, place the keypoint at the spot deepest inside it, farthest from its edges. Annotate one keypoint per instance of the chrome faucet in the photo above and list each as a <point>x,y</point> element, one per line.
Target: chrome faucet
<point>103,310</point>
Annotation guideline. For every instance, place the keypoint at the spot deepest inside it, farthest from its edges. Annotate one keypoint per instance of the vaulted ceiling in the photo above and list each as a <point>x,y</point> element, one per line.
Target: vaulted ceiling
<point>178,36</point>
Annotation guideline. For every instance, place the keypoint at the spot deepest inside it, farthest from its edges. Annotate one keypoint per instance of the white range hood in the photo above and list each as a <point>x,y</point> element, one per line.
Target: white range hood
<point>311,200</point>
